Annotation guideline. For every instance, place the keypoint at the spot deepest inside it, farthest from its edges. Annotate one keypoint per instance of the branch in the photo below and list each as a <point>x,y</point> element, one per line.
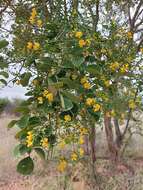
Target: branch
<point>129,116</point>
<point>6,6</point>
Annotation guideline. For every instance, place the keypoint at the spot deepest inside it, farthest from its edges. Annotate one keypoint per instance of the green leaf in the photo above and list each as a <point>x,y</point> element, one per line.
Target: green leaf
<point>25,78</point>
<point>57,85</point>
<point>41,153</point>
<point>12,124</point>
<point>3,44</point>
<point>71,84</point>
<point>92,69</point>
<point>3,63</point>
<point>77,61</point>
<point>22,123</point>
<point>3,81</point>
<point>34,121</point>
<point>20,149</point>
<point>22,109</point>
<point>72,97</point>
<point>66,103</point>
<point>5,74</point>
<point>25,166</point>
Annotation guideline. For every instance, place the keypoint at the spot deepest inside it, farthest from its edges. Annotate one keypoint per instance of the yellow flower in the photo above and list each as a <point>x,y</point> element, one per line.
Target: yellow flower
<point>62,144</point>
<point>32,20</point>
<point>90,101</point>
<point>83,80</point>
<point>113,114</point>
<point>107,83</point>
<point>30,133</point>
<point>124,68</point>
<point>141,50</point>
<point>36,46</point>
<point>114,66</point>
<point>62,165</point>
<point>18,82</point>
<point>87,85</point>
<point>83,131</point>
<point>78,34</point>
<point>35,82</point>
<point>29,45</point>
<point>96,107</point>
<point>82,43</point>
<point>29,139</point>
<point>81,151</point>
<point>39,23</point>
<point>81,140</point>
<point>50,97</point>
<point>34,12</point>
<point>74,156</point>
<point>88,42</point>
<point>45,93</point>
<point>108,114</point>
<point>67,118</point>
<point>44,142</point>
<point>130,34</point>
<point>40,100</point>
<point>132,104</point>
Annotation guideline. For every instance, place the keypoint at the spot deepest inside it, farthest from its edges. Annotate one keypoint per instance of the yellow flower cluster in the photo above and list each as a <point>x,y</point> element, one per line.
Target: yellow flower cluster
<point>92,102</point>
<point>33,16</point>
<point>81,139</point>
<point>82,43</point>
<point>81,151</point>
<point>48,95</point>
<point>124,68</point>
<point>85,83</point>
<point>40,100</point>
<point>44,142</point>
<point>96,107</point>
<point>78,34</point>
<point>130,35</point>
<point>62,165</point>
<point>83,131</point>
<point>114,66</point>
<point>35,46</point>
<point>67,118</point>
<point>29,139</point>
<point>132,104</point>
<point>74,156</point>
<point>33,20</point>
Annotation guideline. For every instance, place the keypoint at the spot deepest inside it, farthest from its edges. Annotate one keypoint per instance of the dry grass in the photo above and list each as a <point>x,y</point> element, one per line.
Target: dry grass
<point>79,178</point>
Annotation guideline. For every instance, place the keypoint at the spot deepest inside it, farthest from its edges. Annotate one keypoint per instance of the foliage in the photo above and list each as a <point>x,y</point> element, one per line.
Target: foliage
<point>78,67</point>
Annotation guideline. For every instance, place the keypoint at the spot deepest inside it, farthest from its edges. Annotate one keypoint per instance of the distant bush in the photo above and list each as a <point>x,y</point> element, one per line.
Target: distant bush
<point>3,103</point>
<point>9,106</point>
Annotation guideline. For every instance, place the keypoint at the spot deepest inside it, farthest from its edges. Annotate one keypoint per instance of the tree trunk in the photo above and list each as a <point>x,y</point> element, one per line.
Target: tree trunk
<point>118,133</point>
<point>92,143</point>
<point>113,150</point>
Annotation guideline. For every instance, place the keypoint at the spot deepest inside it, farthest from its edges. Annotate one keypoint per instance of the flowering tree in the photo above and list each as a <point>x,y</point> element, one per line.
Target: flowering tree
<point>81,62</point>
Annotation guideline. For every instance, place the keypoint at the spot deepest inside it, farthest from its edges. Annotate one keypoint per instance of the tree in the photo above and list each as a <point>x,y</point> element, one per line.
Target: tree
<point>82,63</point>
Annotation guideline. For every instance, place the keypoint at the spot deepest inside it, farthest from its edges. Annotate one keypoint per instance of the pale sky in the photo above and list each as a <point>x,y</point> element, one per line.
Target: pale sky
<point>13,92</point>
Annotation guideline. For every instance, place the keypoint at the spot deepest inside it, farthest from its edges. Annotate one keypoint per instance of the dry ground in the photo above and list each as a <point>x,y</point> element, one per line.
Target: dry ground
<point>46,178</point>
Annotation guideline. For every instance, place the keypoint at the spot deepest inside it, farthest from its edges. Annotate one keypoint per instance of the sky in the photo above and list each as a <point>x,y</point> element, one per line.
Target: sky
<point>13,92</point>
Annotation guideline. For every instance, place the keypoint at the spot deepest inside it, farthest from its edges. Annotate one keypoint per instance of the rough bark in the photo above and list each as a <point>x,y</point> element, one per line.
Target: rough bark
<point>113,150</point>
<point>92,143</point>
